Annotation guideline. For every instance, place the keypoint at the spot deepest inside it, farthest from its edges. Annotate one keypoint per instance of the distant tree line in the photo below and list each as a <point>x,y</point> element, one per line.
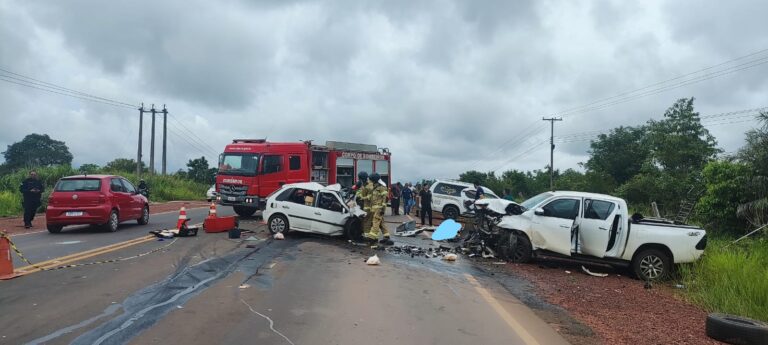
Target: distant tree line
<point>663,161</point>
<point>40,150</point>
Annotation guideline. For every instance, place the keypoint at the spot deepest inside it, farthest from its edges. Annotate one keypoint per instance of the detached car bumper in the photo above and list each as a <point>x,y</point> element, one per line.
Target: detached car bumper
<point>90,215</point>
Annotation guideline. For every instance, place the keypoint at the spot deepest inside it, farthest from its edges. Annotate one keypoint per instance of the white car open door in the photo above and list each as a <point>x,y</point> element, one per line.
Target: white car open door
<point>329,214</point>
<point>595,227</point>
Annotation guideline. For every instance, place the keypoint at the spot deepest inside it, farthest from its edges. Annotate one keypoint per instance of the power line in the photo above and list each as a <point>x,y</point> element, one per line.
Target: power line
<point>46,86</point>
<point>191,133</point>
<point>602,100</point>
<point>177,132</point>
<point>716,120</point>
<point>670,87</point>
<point>633,95</point>
<point>63,94</point>
<point>514,141</point>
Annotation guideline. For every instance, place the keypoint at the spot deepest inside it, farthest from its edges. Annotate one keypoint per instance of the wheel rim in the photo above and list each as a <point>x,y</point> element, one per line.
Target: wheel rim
<point>517,247</point>
<point>113,221</point>
<point>277,225</point>
<point>145,215</point>
<point>652,266</point>
<point>450,213</point>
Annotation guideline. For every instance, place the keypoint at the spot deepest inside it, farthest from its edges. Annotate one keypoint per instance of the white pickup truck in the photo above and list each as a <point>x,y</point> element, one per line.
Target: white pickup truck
<point>597,228</point>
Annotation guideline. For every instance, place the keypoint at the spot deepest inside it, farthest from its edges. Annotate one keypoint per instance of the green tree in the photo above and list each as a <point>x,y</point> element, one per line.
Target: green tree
<point>199,171</point>
<point>89,168</point>
<point>123,165</point>
<point>680,144</point>
<point>755,151</point>
<point>473,176</point>
<point>619,154</point>
<point>37,150</point>
<point>726,189</point>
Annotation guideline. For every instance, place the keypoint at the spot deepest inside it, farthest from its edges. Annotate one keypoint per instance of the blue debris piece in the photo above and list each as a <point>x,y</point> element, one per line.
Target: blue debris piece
<point>448,229</point>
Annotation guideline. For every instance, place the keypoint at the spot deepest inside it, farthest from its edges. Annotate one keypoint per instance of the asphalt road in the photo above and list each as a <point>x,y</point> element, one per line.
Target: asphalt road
<point>304,290</point>
<point>40,246</point>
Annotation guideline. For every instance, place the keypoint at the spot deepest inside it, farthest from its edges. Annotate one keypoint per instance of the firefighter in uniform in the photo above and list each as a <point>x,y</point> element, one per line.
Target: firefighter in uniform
<point>378,199</point>
<point>362,199</point>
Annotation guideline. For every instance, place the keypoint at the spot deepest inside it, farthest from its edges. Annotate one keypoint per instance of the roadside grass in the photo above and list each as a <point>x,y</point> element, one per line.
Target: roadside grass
<point>162,188</point>
<point>10,204</point>
<point>730,279</point>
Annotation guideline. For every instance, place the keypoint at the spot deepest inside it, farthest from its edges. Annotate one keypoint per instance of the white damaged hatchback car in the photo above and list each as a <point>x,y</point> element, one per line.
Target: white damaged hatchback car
<point>314,208</point>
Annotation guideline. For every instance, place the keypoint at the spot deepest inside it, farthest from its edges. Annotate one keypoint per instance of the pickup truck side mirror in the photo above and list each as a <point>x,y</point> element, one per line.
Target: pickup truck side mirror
<point>539,211</point>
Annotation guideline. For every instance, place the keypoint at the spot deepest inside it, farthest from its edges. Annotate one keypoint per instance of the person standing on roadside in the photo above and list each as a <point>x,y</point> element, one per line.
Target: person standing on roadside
<point>395,201</point>
<point>417,197</point>
<point>426,204</point>
<point>32,190</point>
<point>407,199</point>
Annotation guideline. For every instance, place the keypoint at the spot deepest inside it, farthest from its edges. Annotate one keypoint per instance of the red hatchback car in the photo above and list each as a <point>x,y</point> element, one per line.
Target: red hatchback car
<point>105,200</point>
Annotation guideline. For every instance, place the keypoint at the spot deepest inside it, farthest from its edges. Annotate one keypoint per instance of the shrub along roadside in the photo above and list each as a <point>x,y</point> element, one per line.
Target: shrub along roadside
<point>162,188</point>
<point>730,279</point>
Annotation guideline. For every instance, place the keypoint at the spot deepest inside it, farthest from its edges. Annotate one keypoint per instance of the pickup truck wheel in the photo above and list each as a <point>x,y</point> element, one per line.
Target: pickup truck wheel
<point>516,248</point>
<point>451,212</point>
<point>244,211</point>
<point>144,219</point>
<point>54,229</point>
<point>651,264</point>
<point>736,330</point>
<point>112,222</point>
<point>278,223</point>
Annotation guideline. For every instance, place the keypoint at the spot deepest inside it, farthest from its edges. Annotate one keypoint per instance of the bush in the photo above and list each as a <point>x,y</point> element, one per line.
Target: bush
<point>731,279</point>
<point>10,204</point>
<point>162,188</point>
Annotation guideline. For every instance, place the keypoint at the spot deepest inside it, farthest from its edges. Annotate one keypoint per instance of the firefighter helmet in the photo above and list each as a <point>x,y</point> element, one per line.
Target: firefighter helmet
<point>375,177</point>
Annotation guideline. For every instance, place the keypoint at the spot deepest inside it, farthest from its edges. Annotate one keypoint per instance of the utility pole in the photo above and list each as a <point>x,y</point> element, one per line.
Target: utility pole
<point>138,155</point>
<point>152,143</point>
<point>165,136</point>
<point>552,150</point>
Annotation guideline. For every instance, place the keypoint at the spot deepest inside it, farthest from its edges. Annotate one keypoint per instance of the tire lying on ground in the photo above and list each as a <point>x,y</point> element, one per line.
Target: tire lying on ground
<point>736,329</point>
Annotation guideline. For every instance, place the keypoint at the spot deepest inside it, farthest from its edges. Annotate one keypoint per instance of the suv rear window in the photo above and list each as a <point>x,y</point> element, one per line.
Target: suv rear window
<point>78,185</point>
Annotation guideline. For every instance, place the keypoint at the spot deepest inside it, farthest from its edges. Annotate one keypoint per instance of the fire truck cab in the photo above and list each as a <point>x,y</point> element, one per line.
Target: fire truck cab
<point>251,169</point>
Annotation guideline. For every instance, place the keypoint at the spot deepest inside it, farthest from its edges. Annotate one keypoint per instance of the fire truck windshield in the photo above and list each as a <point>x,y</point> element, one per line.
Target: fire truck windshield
<point>244,164</point>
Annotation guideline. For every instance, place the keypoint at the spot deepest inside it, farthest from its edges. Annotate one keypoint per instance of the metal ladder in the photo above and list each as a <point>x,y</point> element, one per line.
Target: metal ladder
<point>687,205</point>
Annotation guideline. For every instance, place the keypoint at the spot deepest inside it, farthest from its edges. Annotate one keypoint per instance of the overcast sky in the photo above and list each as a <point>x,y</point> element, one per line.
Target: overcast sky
<point>447,86</point>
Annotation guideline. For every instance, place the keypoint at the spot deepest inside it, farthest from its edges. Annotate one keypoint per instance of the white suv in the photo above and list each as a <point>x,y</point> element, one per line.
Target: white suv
<point>454,198</point>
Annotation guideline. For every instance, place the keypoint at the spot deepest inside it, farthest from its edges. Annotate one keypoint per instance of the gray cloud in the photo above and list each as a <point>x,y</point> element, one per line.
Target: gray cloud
<point>441,83</point>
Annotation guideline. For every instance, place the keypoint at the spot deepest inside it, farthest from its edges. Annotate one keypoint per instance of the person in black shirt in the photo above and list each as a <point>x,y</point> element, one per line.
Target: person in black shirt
<point>426,204</point>
<point>31,189</point>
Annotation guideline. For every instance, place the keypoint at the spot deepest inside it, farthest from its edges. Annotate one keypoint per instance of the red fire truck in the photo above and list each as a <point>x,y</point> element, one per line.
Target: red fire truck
<point>251,169</point>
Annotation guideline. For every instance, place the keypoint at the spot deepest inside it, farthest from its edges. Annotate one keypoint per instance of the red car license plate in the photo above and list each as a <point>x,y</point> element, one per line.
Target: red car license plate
<point>74,214</point>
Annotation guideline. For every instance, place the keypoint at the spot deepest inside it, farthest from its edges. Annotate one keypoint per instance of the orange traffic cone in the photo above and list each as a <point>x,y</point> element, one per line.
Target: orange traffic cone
<point>212,211</point>
<point>6,261</point>
<point>182,217</point>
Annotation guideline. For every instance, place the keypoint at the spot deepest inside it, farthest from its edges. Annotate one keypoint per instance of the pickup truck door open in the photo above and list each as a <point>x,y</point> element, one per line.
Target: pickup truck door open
<point>555,224</point>
<point>596,227</point>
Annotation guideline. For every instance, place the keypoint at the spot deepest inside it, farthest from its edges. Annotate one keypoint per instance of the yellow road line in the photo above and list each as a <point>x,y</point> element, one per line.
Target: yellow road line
<point>82,255</point>
<point>511,322</point>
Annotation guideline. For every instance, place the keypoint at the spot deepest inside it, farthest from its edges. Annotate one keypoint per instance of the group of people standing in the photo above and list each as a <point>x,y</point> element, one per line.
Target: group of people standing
<point>372,196</point>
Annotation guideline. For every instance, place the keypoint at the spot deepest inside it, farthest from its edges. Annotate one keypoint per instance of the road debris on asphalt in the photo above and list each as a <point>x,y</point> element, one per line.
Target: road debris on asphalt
<point>373,260</point>
<point>244,286</point>
<point>447,230</point>
<point>450,257</point>
<point>279,236</point>
<point>594,274</point>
